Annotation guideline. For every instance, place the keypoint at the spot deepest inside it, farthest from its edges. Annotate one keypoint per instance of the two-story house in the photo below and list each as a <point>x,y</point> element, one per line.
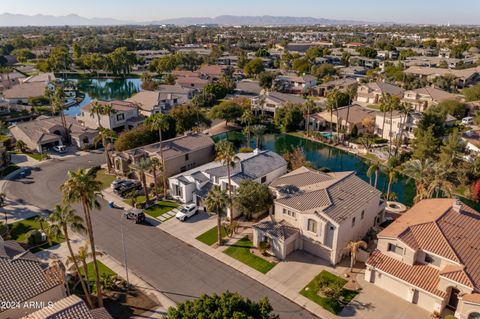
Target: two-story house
<point>161,100</point>
<point>194,185</point>
<point>430,256</point>
<point>319,213</point>
<point>270,102</point>
<point>371,93</point>
<point>125,115</point>
<point>294,84</point>
<point>181,153</point>
<point>422,98</point>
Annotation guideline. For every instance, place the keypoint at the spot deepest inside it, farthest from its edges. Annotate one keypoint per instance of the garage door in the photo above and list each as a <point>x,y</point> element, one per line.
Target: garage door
<point>315,249</point>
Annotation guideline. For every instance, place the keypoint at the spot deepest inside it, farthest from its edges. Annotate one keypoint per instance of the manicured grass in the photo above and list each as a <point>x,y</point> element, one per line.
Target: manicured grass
<point>20,229</point>
<point>241,251</point>
<point>210,236</point>
<point>140,200</point>
<point>160,208</point>
<point>9,169</point>
<point>103,270</point>
<point>37,157</point>
<point>105,178</point>
<point>325,278</point>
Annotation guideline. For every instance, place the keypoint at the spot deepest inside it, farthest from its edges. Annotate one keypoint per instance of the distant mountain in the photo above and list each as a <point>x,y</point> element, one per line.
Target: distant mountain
<point>256,21</point>
<point>15,20</point>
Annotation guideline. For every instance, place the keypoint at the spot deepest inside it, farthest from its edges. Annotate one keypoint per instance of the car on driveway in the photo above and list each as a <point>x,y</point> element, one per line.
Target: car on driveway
<point>60,149</point>
<point>467,120</point>
<point>124,188</point>
<point>186,211</point>
<point>135,214</point>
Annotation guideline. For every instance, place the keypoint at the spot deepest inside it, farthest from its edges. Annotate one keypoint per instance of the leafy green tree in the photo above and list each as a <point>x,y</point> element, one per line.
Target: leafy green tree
<point>204,99</point>
<point>187,117</point>
<point>226,306</point>
<point>254,67</point>
<point>136,137</point>
<point>301,65</point>
<point>217,89</point>
<point>258,131</point>
<point>472,93</point>
<point>262,53</point>
<point>23,55</point>
<point>289,117</point>
<point>253,198</point>
<point>367,52</point>
<point>451,153</point>
<point>266,80</point>
<point>452,107</point>
<point>227,110</point>
<point>324,70</point>
<point>426,143</point>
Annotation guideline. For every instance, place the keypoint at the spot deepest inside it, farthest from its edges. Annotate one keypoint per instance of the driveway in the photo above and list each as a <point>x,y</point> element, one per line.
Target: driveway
<point>176,269</point>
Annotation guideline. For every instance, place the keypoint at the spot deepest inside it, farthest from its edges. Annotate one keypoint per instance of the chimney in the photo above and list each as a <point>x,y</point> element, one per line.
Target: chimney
<point>457,206</point>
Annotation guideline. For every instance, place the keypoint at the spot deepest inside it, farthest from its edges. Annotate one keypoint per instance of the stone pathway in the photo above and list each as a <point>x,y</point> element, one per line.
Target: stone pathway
<point>166,216</point>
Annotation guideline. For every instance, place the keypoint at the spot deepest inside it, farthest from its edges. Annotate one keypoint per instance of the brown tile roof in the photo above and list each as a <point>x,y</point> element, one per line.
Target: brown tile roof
<point>212,70</point>
<point>422,276</point>
<point>435,94</point>
<point>473,298</point>
<point>25,90</point>
<point>116,105</point>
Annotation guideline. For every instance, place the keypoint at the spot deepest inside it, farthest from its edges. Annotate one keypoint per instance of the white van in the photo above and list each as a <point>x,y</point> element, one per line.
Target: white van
<point>467,120</point>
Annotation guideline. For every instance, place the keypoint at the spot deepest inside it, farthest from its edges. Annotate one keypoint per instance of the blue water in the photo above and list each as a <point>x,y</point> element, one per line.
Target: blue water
<point>335,160</point>
<point>105,90</point>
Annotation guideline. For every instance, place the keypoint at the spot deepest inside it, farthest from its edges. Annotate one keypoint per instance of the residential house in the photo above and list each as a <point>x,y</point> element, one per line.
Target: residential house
<point>248,88</point>
<point>356,115</point>
<point>365,62</point>
<point>25,279</point>
<point>430,257</point>
<point>472,141</point>
<point>319,213</point>
<point>46,132</point>
<point>9,79</point>
<point>422,98</point>
<point>371,93</point>
<point>197,83</point>
<point>71,307</point>
<point>23,92</point>
<point>294,84</point>
<point>259,166</point>
<point>46,78</point>
<point>463,78</point>
<point>125,115</point>
<point>213,71</point>
<point>339,84</point>
<point>180,153</point>
<point>269,102</point>
<point>161,100</point>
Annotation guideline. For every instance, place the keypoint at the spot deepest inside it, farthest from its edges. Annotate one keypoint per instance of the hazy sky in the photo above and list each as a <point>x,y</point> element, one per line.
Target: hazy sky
<point>414,11</point>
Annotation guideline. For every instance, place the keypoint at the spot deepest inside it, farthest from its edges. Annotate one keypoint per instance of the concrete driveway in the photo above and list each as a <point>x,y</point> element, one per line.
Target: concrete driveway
<point>192,227</point>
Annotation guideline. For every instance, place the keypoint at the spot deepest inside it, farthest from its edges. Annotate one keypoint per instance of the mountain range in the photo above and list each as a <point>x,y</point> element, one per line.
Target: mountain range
<point>16,20</point>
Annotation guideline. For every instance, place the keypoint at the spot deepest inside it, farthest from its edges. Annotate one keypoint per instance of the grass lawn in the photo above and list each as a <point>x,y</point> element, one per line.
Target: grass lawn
<point>9,169</point>
<point>326,278</point>
<point>210,236</point>
<point>19,230</point>
<point>104,270</point>
<point>241,251</point>
<point>37,157</point>
<point>104,178</point>
<point>160,208</point>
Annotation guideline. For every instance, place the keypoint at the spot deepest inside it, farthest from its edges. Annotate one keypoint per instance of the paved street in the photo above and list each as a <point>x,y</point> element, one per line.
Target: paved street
<point>175,268</point>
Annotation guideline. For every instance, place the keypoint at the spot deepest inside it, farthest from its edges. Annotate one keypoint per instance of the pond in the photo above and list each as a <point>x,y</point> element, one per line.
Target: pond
<point>324,156</point>
<point>105,90</point>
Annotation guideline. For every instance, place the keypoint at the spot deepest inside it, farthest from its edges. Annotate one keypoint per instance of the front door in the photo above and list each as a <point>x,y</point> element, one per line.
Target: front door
<point>453,301</point>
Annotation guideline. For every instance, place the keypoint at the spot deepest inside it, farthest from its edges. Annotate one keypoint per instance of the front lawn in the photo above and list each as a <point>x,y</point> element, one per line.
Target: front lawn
<point>18,231</point>
<point>241,251</point>
<point>326,289</point>
<point>102,269</point>
<point>105,178</point>
<point>140,200</point>
<point>160,208</point>
<point>210,236</point>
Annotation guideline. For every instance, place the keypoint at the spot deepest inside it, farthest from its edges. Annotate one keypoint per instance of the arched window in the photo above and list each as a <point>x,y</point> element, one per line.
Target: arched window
<point>312,225</point>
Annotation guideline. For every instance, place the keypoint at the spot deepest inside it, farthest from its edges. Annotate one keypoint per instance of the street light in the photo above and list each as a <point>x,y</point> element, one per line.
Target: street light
<point>124,251</point>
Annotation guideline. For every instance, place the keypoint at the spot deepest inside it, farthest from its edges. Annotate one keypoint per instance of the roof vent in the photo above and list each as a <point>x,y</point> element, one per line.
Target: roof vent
<point>457,206</point>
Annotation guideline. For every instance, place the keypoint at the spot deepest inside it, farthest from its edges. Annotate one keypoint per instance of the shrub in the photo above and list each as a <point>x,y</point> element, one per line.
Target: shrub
<point>246,150</point>
<point>34,237</point>
<point>264,246</point>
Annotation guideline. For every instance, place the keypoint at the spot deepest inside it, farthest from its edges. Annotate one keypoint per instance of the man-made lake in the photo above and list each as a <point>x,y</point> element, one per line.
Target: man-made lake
<point>105,90</point>
<point>324,156</point>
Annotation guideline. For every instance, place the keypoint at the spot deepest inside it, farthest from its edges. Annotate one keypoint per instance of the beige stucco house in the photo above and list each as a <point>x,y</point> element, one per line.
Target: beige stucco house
<point>319,213</point>
<point>371,93</point>
<point>356,115</point>
<point>422,98</point>
<point>430,256</point>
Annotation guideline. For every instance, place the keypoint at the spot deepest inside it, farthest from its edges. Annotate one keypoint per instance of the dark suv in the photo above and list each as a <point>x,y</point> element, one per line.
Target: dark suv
<point>135,214</point>
<point>123,188</point>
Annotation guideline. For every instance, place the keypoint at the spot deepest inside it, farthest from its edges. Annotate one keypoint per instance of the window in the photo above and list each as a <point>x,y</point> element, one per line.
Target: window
<point>288,212</point>
<point>284,211</point>
<point>429,259</point>
<point>353,222</point>
<point>120,117</point>
<point>312,225</point>
<point>395,249</point>
<point>186,157</point>
<point>363,214</point>
<point>263,179</point>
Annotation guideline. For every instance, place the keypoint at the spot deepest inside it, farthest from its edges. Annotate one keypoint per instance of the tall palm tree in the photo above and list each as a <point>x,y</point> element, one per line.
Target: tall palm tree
<point>156,165</point>
<point>352,93</point>
<point>393,106</point>
<point>160,122</point>
<point>225,153</point>
<point>441,182</point>
<point>97,110</point>
<point>332,105</point>
<point>406,110</point>
<point>141,167</point>
<point>106,137</point>
<point>353,247</point>
<point>57,106</point>
<point>62,219</point>
<point>83,187</point>
<point>373,169</point>
<point>216,202</point>
<point>422,172</point>
<point>392,178</point>
<point>83,254</point>
<point>247,119</point>
<point>3,202</point>
<point>308,106</point>
<point>258,131</point>
<point>384,107</point>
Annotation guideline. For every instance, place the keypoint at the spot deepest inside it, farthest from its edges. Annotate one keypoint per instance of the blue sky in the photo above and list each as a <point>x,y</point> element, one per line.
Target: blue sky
<point>414,11</point>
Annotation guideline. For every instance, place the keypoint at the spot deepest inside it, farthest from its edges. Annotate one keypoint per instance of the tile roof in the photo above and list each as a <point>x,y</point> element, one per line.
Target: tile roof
<point>435,94</point>
<point>282,230</point>
<point>422,276</point>
<point>385,87</point>
<point>26,278</point>
<point>116,105</point>
<point>25,90</point>
<point>281,98</point>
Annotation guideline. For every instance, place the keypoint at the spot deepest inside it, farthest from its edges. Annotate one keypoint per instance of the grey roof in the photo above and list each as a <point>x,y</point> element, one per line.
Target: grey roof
<point>251,168</point>
<point>203,192</point>
<point>200,177</point>
<point>26,278</point>
<point>282,230</point>
<point>183,179</point>
<point>281,98</point>
<point>248,87</point>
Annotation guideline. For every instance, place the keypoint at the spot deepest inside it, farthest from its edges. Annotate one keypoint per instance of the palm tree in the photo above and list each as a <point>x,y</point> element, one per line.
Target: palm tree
<point>141,167</point>
<point>351,92</point>
<point>258,131</point>
<point>373,169</point>
<point>57,106</point>
<point>225,153</point>
<point>393,106</point>
<point>155,166</point>
<point>99,109</point>
<point>63,218</point>
<point>83,187</point>
<point>384,107</point>
<point>83,254</point>
<point>160,122</point>
<point>353,247</point>
<point>332,105</point>
<point>440,182</point>
<point>106,137</point>
<point>308,106</point>
<point>247,119</point>
<point>405,110</point>
<point>392,178</point>
<point>422,172</point>
<point>3,202</point>
<point>216,202</point>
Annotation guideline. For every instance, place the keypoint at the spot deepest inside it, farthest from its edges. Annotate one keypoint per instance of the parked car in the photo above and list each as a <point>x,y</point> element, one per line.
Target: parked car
<point>126,187</point>
<point>116,183</point>
<point>186,211</point>
<point>60,149</point>
<point>135,214</point>
<point>467,120</point>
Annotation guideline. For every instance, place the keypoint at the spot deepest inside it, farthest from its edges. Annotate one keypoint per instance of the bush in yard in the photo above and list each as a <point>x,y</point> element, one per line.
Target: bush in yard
<point>246,150</point>
<point>253,198</point>
<point>264,246</point>
<point>34,237</point>
<point>226,305</point>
